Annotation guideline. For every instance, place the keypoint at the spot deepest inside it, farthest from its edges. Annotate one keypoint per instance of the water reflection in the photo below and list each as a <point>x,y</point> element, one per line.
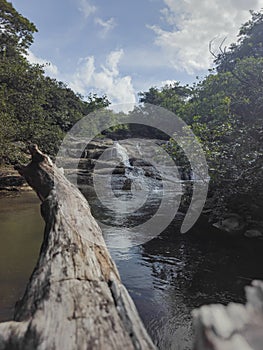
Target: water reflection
<point>173,274</point>
<point>21,230</point>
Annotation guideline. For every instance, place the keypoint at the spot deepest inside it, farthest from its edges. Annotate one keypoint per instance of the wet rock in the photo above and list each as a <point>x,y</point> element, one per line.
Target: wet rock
<point>127,185</point>
<point>232,223</point>
<point>8,181</point>
<point>119,170</point>
<point>253,233</point>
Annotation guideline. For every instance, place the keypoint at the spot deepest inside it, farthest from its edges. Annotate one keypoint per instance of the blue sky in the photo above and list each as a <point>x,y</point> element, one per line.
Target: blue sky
<point>121,47</point>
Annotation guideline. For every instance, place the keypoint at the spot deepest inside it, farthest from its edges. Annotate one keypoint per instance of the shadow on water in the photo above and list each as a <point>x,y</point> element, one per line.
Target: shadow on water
<point>21,231</point>
<point>173,274</point>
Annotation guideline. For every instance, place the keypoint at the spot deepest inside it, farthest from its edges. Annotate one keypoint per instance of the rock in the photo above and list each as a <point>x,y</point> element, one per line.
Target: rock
<point>127,185</point>
<point>233,223</point>
<point>252,233</point>
<point>231,327</point>
<point>10,182</point>
<point>7,181</point>
<point>119,170</point>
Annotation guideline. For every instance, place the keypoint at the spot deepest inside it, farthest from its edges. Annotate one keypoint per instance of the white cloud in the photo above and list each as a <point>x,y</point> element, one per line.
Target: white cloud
<point>88,78</point>
<point>168,82</point>
<point>106,26</point>
<point>146,58</point>
<point>49,67</point>
<point>194,24</point>
<point>86,8</point>
<point>106,80</point>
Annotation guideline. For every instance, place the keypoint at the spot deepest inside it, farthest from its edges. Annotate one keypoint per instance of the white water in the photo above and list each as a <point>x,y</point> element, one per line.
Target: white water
<point>134,173</point>
<point>121,154</point>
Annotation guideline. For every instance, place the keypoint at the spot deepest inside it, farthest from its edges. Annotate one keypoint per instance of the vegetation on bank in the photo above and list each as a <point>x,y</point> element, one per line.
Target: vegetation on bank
<point>33,107</point>
<point>224,110</point>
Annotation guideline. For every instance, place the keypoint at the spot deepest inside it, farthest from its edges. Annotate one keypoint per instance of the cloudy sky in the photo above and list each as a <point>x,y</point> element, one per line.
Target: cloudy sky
<point>121,47</point>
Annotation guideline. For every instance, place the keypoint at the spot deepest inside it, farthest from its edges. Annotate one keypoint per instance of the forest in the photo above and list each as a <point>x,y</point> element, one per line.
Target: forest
<point>34,107</point>
<point>224,110</point>
<point>168,275</point>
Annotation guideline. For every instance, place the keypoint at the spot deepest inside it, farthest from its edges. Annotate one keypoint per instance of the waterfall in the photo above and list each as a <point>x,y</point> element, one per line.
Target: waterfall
<point>121,154</point>
<point>133,173</point>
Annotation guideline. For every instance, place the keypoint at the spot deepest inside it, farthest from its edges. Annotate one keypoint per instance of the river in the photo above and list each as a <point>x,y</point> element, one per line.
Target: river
<point>21,230</point>
<point>167,277</point>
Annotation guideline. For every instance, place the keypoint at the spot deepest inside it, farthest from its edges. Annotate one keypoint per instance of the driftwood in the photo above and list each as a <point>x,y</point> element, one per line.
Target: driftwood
<point>74,299</point>
<point>232,327</point>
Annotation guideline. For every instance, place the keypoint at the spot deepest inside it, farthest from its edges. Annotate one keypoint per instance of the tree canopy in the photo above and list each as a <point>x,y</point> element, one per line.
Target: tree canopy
<point>225,111</point>
<point>34,107</point>
<point>249,44</point>
<point>16,34</point>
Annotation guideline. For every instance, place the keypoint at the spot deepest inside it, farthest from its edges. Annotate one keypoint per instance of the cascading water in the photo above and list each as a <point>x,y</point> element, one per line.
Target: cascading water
<point>121,153</point>
<point>135,175</point>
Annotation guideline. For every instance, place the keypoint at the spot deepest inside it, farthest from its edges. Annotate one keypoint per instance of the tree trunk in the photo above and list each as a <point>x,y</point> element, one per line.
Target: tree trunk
<point>231,327</point>
<point>74,299</point>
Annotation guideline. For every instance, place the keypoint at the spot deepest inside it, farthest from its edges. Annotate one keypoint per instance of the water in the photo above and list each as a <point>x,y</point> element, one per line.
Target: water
<point>21,230</point>
<point>171,275</point>
<point>167,277</point>
<point>120,152</point>
<point>174,273</point>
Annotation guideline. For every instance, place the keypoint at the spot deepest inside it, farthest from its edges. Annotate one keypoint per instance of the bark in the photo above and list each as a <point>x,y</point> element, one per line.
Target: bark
<point>75,298</point>
<point>231,327</point>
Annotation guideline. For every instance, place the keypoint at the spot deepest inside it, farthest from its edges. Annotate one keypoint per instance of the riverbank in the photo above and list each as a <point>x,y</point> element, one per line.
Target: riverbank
<point>11,183</point>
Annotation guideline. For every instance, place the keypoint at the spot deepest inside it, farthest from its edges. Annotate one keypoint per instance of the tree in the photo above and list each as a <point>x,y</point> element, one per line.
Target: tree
<point>225,112</point>
<point>34,107</point>
<point>249,44</point>
<point>16,32</point>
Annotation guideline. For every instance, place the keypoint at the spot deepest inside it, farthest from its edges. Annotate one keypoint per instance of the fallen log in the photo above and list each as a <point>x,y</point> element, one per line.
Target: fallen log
<point>74,298</point>
<point>231,327</point>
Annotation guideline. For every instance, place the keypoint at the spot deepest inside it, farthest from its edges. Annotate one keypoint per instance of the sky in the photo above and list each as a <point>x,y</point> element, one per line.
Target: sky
<point>122,47</point>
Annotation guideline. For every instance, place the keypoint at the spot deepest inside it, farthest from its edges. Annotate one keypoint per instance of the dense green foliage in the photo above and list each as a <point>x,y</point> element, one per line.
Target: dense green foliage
<point>225,112</point>
<point>33,107</point>
<point>249,44</point>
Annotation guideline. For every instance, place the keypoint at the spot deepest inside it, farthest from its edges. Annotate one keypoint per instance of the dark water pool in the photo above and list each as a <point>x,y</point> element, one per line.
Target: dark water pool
<point>173,274</point>
<point>167,277</point>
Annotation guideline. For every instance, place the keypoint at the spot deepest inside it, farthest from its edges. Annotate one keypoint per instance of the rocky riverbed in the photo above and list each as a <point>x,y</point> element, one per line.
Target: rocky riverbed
<point>99,156</point>
<point>79,163</point>
<point>11,183</point>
